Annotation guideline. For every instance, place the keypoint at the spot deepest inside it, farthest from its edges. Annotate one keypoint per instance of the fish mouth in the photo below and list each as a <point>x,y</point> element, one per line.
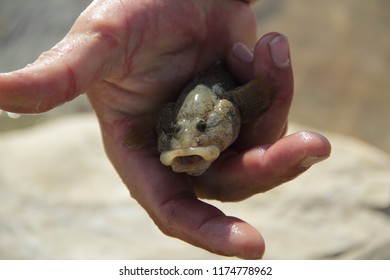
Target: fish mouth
<point>194,161</point>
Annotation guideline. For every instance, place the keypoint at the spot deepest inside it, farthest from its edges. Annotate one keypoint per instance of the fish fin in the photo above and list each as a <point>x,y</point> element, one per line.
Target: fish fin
<point>164,127</point>
<point>165,118</point>
<point>142,134</point>
<point>254,98</point>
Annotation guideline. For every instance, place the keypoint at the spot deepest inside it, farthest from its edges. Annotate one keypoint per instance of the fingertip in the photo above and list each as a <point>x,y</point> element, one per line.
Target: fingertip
<point>58,75</point>
<point>14,95</point>
<point>272,54</point>
<point>311,160</point>
<point>318,148</point>
<point>294,154</point>
<point>248,241</point>
<point>240,61</point>
<point>234,238</point>
<point>242,53</point>
<point>266,166</point>
<point>280,51</point>
<point>31,90</point>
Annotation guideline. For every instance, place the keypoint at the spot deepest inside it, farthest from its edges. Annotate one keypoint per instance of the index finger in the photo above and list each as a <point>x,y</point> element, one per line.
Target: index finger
<point>59,75</point>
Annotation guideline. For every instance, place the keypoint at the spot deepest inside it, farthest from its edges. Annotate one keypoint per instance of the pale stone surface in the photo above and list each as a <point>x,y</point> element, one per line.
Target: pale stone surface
<point>60,198</point>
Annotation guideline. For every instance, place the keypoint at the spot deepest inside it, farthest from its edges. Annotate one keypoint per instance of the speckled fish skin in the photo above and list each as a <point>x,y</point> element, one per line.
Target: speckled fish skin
<point>206,118</point>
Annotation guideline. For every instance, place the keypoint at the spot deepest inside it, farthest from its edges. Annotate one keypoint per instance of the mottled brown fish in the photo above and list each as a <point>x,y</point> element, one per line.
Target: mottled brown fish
<point>207,117</point>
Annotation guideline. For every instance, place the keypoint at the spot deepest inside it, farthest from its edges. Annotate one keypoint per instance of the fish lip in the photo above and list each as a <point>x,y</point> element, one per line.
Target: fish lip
<point>207,154</point>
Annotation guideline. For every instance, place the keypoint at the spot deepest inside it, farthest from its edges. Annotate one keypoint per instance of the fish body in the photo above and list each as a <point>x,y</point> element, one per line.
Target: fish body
<point>206,119</point>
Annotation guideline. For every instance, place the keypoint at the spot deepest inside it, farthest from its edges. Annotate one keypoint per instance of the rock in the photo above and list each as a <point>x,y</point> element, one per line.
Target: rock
<point>61,199</point>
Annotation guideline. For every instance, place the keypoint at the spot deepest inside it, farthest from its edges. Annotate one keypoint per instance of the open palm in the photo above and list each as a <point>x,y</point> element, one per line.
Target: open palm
<point>132,56</point>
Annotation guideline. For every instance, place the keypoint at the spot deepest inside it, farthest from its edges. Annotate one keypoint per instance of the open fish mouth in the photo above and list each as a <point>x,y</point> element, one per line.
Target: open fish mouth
<point>194,161</point>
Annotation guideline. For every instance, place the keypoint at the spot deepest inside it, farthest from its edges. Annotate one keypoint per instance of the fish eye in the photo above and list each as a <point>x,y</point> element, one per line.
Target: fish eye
<point>176,128</point>
<point>201,125</point>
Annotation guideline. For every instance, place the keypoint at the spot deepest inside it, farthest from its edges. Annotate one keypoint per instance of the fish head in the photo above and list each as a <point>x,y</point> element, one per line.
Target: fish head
<point>193,132</point>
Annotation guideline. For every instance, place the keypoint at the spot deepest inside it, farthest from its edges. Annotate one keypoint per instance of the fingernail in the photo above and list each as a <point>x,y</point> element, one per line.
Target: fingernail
<point>242,52</point>
<point>309,161</point>
<point>279,50</point>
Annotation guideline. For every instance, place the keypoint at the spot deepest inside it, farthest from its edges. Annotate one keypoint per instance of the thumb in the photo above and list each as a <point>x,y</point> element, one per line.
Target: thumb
<point>57,76</point>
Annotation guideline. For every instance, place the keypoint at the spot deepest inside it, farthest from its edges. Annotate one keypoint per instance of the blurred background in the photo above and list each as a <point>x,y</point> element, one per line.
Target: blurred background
<point>28,28</point>
<point>340,52</point>
<point>60,198</point>
<point>341,58</point>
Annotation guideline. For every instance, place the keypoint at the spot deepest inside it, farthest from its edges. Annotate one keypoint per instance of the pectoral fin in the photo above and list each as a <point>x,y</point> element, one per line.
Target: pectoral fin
<point>254,98</point>
<point>164,126</point>
<point>142,134</point>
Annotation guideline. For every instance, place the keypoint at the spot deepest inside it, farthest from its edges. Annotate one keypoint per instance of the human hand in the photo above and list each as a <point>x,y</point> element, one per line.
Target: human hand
<point>131,57</point>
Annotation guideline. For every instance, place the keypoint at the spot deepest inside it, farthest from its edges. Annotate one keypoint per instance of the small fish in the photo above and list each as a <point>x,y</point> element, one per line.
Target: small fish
<point>206,118</point>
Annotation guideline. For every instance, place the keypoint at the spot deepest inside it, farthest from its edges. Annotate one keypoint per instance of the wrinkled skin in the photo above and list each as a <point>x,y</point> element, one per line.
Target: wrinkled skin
<point>133,56</point>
